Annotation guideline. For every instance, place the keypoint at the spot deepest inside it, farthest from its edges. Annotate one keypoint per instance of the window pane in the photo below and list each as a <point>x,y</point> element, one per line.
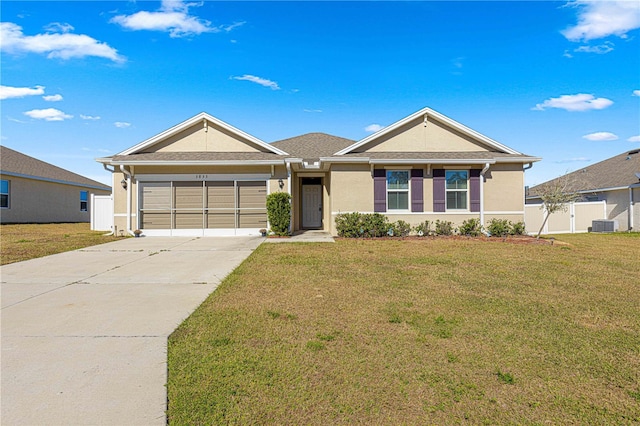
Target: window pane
<point>4,201</point>
<point>456,179</point>
<point>83,195</point>
<point>457,200</point>
<point>83,206</point>
<point>4,186</point>
<point>398,180</point>
<point>398,201</point>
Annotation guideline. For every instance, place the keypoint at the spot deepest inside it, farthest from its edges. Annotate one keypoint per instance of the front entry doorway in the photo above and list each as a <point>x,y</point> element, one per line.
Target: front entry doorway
<point>311,203</point>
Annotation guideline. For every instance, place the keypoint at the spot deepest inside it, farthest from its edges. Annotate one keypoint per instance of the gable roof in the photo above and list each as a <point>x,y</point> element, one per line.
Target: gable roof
<point>428,113</point>
<point>202,117</point>
<point>613,173</point>
<point>313,145</point>
<point>14,163</point>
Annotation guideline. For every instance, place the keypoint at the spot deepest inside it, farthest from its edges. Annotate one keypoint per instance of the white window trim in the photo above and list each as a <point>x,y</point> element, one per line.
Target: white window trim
<point>408,190</point>
<point>447,190</point>
<point>8,194</point>
<point>86,209</point>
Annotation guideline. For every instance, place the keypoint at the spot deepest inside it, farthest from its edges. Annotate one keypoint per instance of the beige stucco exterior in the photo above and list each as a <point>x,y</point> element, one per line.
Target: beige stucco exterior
<point>416,136</point>
<point>39,201</point>
<point>347,184</point>
<point>199,138</point>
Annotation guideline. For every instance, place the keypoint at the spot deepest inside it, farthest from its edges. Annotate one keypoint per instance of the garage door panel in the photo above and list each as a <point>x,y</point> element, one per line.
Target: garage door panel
<point>252,219</point>
<point>220,195</point>
<point>156,195</point>
<point>156,220</point>
<point>188,195</point>
<point>221,219</point>
<point>252,194</point>
<point>188,220</point>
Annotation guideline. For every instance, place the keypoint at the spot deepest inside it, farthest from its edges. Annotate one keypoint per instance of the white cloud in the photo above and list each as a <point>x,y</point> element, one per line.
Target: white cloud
<point>54,45</point>
<point>258,80</point>
<point>566,54</point>
<point>636,93</point>
<point>579,102</point>
<point>600,49</point>
<point>312,110</point>
<point>57,27</point>
<point>173,17</point>
<point>373,128</point>
<point>573,160</point>
<point>634,139</point>
<point>601,136</point>
<point>52,98</point>
<point>599,19</point>
<point>121,124</point>
<point>49,114</point>
<point>89,117</point>
<point>8,92</point>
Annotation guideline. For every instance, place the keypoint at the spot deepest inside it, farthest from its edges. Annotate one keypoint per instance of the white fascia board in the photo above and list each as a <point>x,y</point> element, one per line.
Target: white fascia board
<point>293,160</point>
<point>200,163</point>
<point>194,120</point>
<point>432,161</point>
<point>517,160</point>
<point>344,160</point>
<point>439,117</point>
<point>615,188</point>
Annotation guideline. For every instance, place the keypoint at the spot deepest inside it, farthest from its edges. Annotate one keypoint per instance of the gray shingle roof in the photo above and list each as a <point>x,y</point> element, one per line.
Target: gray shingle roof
<point>457,155</point>
<point>15,162</point>
<point>313,145</point>
<point>614,172</point>
<point>198,156</point>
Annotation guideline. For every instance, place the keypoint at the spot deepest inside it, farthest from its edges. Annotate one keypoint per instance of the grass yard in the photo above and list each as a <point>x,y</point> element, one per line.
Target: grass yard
<point>23,242</point>
<point>417,332</point>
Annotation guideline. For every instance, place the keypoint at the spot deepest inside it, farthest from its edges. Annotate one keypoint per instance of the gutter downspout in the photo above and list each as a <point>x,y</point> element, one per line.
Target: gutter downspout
<point>128,175</point>
<point>630,208</point>
<point>527,167</point>
<point>289,190</point>
<point>482,179</point>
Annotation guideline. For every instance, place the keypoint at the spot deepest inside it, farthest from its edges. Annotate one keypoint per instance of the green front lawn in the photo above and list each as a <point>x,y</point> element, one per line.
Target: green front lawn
<point>432,331</point>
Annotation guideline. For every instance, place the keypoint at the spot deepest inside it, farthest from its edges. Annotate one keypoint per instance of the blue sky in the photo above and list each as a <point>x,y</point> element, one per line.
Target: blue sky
<point>87,79</point>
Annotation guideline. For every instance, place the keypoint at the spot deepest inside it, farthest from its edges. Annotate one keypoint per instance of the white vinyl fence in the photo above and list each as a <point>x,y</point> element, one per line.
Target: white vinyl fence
<point>101,212</point>
<point>577,218</point>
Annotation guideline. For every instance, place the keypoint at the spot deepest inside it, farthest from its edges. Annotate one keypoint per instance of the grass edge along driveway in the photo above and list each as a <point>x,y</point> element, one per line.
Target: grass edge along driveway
<point>414,332</point>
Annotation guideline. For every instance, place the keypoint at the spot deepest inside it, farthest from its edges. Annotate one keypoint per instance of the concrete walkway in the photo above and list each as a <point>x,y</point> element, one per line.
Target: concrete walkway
<point>84,333</point>
<point>311,236</point>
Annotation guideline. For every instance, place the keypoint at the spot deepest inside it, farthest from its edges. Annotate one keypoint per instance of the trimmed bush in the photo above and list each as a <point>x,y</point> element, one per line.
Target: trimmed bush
<point>518,228</point>
<point>423,229</point>
<point>279,212</point>
<point>471,227</point>
<point>499,227</point>
<point>354,225</point>
<point>444,227</point>
<point>401,228</point>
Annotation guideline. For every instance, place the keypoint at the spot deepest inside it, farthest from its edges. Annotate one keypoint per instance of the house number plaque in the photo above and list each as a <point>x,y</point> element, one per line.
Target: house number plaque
<point>201,177</point>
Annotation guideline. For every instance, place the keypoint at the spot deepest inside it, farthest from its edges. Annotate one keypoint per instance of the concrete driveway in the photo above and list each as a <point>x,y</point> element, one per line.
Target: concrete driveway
<point>84,333</point>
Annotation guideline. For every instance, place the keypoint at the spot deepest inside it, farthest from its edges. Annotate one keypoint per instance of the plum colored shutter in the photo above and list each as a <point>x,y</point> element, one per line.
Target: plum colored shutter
<point>474,189</point>
<point>417,199</point>
<point>379,190</point>
<point>439,193</point>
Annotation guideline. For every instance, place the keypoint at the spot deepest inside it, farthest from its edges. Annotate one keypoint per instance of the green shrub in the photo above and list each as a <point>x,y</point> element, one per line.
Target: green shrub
<point>499,227</point>
<point>375,225</point>
<point>401,228</point>
<point>423,229</point>
<point>518,228</point>
<point>444,227</point>
<point>471,227</point>
<point>354,225</point>
<point>349,225</point>
<point>279,212</point>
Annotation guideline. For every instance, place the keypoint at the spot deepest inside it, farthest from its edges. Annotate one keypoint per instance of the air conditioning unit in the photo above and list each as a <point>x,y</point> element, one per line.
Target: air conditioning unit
<point>604,226</point>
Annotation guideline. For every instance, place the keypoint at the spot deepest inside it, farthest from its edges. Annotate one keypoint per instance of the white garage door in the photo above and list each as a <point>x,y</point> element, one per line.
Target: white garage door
<point>230,207</point>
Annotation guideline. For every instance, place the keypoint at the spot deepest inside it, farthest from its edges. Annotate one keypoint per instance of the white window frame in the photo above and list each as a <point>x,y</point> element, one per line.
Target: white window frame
<point>8,193</point>
<point>447,190</point>
<point>408,190</point>
<point>86,202</point>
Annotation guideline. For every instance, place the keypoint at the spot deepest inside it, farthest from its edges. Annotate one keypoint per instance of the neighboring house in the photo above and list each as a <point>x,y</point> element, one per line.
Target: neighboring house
<point>615,181</point>
<point>206,177</point>
<point>32,191</point>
